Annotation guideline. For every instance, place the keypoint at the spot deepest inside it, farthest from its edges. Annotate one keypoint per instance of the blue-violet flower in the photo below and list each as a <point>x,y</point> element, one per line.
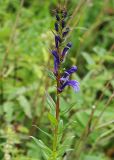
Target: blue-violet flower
<point>59,54</point>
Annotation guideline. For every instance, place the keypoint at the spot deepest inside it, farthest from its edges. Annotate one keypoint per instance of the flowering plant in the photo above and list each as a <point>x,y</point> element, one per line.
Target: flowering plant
<point>62,77</point>
<point>59,53</point>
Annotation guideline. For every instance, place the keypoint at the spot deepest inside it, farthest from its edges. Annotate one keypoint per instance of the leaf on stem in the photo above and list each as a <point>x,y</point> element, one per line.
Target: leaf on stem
<point>52,119</point>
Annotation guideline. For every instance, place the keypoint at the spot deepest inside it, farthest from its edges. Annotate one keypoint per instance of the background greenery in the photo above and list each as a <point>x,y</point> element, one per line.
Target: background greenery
<point>25,39</point>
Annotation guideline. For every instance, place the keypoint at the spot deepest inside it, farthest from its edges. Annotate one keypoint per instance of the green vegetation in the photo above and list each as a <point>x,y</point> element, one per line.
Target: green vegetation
<point>26,88</point>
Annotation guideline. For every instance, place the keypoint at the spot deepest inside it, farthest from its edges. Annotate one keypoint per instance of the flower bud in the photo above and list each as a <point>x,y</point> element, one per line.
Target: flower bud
<point>56,27</point>
<point>66,32</point>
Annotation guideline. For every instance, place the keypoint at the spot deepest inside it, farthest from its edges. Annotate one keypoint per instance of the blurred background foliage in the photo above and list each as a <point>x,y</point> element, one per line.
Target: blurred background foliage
<point>25,61</point>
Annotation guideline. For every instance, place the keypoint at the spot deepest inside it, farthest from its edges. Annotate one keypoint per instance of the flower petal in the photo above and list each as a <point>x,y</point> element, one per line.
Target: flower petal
<point>65,50</point>
<point>67,73</point>
<point>71,70</point>
<point>72,83</point>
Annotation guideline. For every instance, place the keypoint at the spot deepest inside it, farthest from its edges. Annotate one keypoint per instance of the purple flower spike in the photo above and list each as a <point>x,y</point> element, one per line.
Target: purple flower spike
<point>63,78</point>
<point>57,41</point>
<point>72,83</point>
<point>56,27</point>
<point>65,50</point>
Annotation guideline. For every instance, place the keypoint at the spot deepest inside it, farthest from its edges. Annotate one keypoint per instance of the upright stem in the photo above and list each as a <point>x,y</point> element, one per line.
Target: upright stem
<point>57,102</point>
<point>55,140</point>
<point>57,108</point>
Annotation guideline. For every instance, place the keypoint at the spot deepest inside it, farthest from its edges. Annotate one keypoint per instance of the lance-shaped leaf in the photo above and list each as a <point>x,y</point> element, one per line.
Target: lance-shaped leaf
<point>52,119</point>
<point>44,148</point>
<point>51,103</point>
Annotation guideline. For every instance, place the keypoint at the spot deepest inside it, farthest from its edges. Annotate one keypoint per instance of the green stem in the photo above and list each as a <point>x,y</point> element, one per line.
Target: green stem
<point>55,140</point>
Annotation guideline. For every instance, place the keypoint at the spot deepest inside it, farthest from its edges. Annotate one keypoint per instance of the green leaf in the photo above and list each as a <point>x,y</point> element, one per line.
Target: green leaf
<point>106,133</point>
<point>105,124</point>
<point>43,131</point>
<point>69,108</point>
<point>25,105</point>
<point>8,109</point>
<point>23,129</point>
<point>51,75</point>
<point>65,146</point>
<point>88,58</point>
<point>52,119</point>
<point>15,92</point>
<point>60,130</point>
<point>92,157</point>
<point>60,126</point>
<point>51,103</point>
<point>41,144</point>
